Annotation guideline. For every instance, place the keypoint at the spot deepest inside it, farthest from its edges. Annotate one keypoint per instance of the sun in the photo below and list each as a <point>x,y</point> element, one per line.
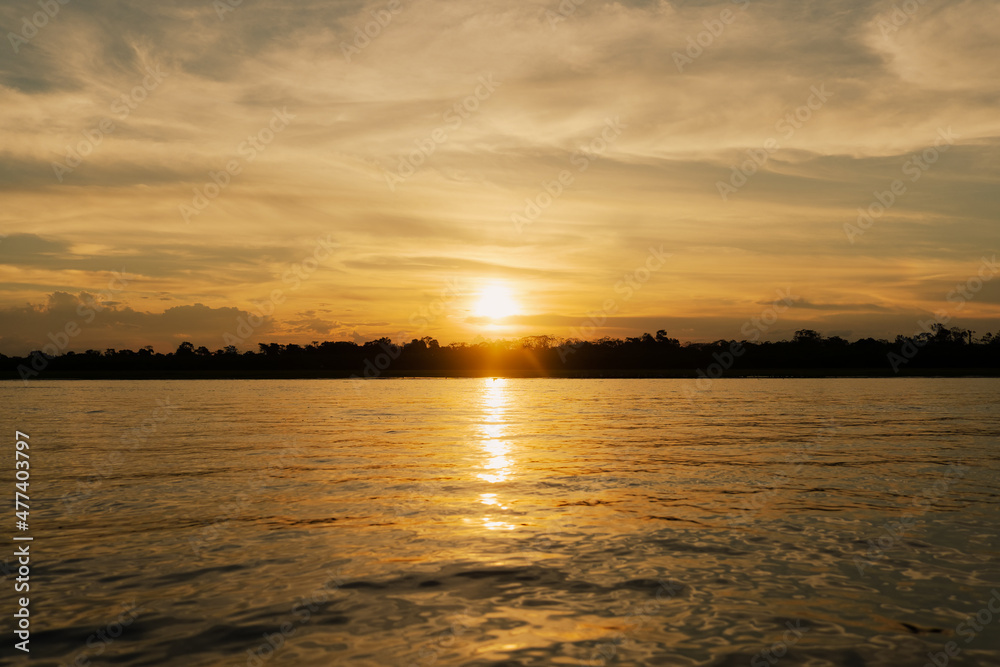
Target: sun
<point>496,302</point>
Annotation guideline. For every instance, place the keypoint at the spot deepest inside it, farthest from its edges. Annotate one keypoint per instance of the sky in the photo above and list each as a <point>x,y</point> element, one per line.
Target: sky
<point>236,172</point>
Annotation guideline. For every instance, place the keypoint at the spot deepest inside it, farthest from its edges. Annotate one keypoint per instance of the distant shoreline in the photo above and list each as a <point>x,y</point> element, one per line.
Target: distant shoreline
<point>623,374</point>
<point>940,352</point>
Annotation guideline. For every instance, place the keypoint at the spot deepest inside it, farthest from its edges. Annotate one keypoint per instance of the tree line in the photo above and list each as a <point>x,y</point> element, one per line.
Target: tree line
<point>938,349</point>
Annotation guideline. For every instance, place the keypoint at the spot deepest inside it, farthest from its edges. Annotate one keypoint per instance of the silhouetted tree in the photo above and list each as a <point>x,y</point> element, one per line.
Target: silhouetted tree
<point>807,336</point>
<point>939,347</point>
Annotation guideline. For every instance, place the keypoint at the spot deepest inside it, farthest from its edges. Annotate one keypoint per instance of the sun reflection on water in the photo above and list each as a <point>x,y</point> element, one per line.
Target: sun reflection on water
<point>497,465</point>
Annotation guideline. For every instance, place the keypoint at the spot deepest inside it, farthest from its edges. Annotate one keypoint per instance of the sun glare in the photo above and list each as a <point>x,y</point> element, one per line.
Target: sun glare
<point>496,302</point>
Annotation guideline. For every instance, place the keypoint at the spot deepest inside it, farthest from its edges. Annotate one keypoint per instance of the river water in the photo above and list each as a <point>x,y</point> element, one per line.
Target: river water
<point>510,522</point>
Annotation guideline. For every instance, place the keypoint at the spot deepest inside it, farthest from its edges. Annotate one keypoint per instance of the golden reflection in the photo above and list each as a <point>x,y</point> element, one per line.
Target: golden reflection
<point>491,499</point>
<point>497,465</point>
<point>493,428</point>
<point>497,525</point>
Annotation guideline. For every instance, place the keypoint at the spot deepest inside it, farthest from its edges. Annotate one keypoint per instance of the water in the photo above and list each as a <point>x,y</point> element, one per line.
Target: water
<point>510,522</point>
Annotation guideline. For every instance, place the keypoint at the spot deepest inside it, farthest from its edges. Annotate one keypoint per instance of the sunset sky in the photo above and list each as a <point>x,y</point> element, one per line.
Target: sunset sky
<point>573,162</point>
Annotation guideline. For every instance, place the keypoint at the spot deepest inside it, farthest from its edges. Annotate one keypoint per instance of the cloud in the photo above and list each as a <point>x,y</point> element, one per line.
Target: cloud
<point>20,248</point>
<point>96,321</point>
<point>358,118</point>
<point>839,307</point>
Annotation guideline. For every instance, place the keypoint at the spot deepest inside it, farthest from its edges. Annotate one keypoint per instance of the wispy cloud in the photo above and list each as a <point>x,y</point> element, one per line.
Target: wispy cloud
<point>354,118</point>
